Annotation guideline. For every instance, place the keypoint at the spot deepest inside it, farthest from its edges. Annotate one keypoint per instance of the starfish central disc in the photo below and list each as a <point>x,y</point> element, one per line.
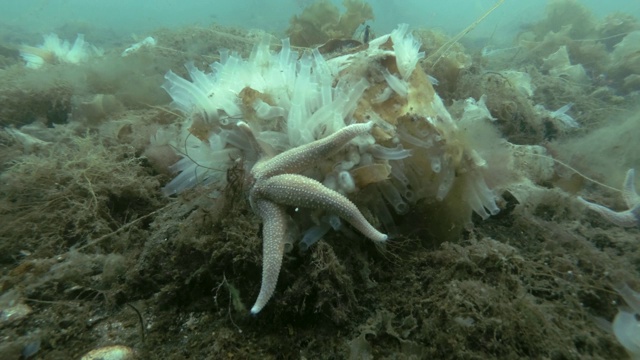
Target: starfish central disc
<point>277,185</point>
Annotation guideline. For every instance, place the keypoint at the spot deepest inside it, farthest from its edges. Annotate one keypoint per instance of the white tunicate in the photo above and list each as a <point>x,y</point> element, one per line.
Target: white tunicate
<point>486,195</point>
<point>399,86</point>
<point>393,197</point>
<point>397,171</point>
<point>331,182</point>
<point>347,184</point>
<point>436,164</point>
<point>312,235</point>
<point>626,328</point>
<point>397,153</point>
<point>411,139</point>
<point>445,184</point>
<point>335,222</point>
<point>266,111</point>
<point>406,49</point>
<point>383,96</point>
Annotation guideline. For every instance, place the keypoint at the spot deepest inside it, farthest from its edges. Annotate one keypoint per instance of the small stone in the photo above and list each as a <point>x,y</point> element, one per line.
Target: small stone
<point>14,313</point>
<point>113,352</point>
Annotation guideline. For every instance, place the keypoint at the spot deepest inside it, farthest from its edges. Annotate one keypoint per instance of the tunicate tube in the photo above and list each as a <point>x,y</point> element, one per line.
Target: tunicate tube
<point>425,132</point>
<point>285,52</point>
<point>625,328</point>
<point>476,204</point>
<point>353,156</point>
<point>383,96</point>
<point>291,236</point>
<point>344,166</point>
<point>486,195</point>
<point>323,74</point>
<point>380,209</point>
<point>198,78</point>
<point>331,182</point>
<point>406,193</point>
<point>366,159</point>
<point>397,153</point>
<point>405,136</point>
<point>334,221</point>
<point>236,139</point>
<point>631,297</point>
<point>354,94</point>
<point>397,171</point>
<point>224,55</point>
<point>625,325</point>
<point>312,235</point>
<point>184,93</point>
<point>445,184</point>
<point>266,111</point>
<point>393,197</point>
<point>399,86</point>
<point>346,182</point>
<point>436,164</point>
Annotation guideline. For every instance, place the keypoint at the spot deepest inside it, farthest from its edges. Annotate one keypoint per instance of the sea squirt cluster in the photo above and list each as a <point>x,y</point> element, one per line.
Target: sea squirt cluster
<point>417,152</point>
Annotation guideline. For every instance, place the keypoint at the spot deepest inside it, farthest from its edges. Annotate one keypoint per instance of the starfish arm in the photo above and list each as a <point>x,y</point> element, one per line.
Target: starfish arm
<point>629,218</point>
<point>302,157</point>
<point>298,190</point>
<point>629,193</point>
<point>273,234</point>
<point>635,211</point>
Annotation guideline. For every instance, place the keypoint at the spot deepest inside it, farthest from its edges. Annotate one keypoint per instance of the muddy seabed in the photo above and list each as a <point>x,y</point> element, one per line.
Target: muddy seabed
<point>92,254</point>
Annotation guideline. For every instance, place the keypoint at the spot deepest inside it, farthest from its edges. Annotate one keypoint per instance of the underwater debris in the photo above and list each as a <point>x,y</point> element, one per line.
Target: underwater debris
<point>571,44</point>
<point>627,218</point>
<point>558,64</point>
<point>54,50</point>
<point>147,42</point>
<point>561,115</point>
<point>559,118</point>
<point>29,142</point>
<point>520,81</point>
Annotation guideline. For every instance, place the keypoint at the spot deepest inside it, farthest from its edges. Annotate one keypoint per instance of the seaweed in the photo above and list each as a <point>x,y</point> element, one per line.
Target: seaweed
<point>69,192</point>
<point>322,21</point>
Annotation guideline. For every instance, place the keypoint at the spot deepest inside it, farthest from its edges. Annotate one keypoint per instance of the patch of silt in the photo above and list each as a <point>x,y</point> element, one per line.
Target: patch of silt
<point>479,298</point>
<point>198,270</point>
<point>523,284</point>
<point>87,242</point>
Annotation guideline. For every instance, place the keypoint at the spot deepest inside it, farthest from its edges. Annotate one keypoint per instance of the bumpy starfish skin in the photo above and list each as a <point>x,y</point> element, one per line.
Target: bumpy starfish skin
<point>275,186</point>
<point>302,157</point>
<point>273,233</point>
<point>298,190</point>
<point>628,218</point>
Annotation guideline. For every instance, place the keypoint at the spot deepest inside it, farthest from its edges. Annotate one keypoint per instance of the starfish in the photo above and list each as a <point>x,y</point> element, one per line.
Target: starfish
<point>274,184</point>
<point>627,218</point>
